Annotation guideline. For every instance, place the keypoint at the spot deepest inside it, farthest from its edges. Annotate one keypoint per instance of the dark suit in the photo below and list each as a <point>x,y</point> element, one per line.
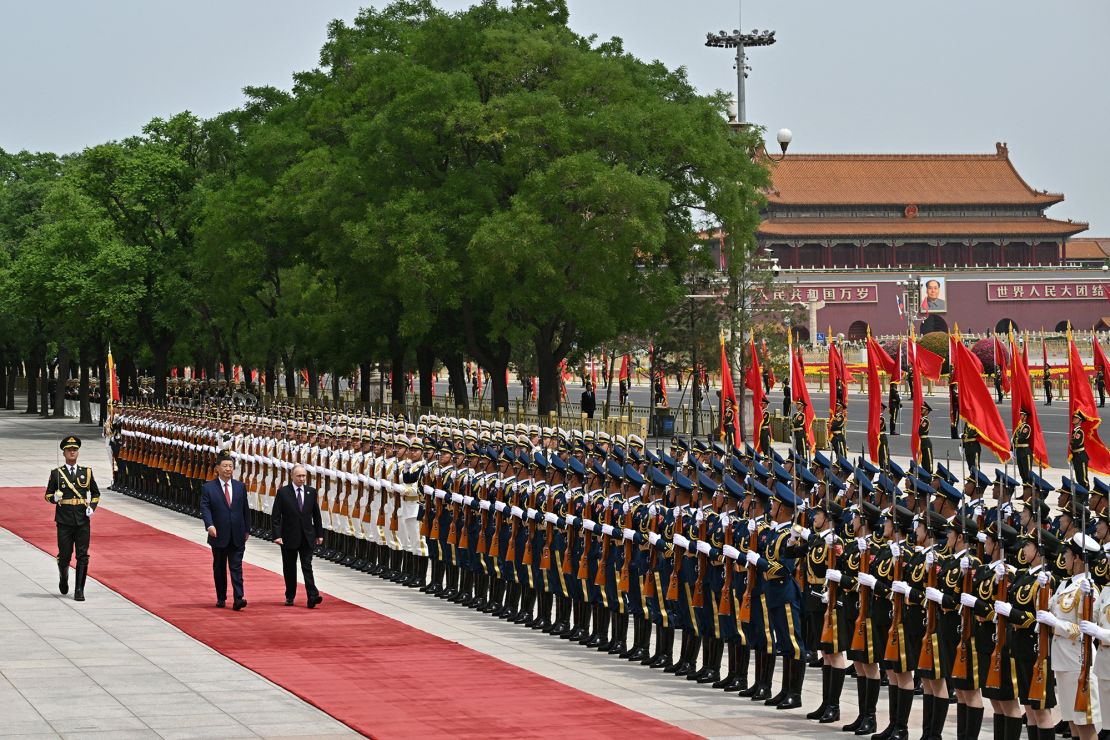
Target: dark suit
<point>589,403</point>
<point>232,524</point>
<point>298,527</point>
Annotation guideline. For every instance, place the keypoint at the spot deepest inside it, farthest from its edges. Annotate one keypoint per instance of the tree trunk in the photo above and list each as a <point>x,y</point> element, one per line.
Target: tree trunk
<point>13,372</point>
<point>61,382</point>
<point>397,377</point>
<point>499,386</point>
<point>548,371</point>
<point>364,383</point>
<point>44,389</point>
<point>425,364</point>
<point>609,362</point>
<point>225,359</point>
<point>456,376</point>
<point>161,351</point>
<point>313,381</point>
<point>271,379</point>
<point>290,379</point>
<point>125,371</point>
<point>83,389</point>
<point>335,389</point>
<point>32,385</point>
<point>3,383</point>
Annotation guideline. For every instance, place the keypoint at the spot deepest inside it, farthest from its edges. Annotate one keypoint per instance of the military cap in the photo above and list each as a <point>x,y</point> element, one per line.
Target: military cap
<point>1067,485</point>
<point>834,510</point>
<point>864,482</point>
<point>636,442</point>
<point>835,482</point>
<point>761,490</point>
<point>700,446</point>
<point>776,456</point>
<point>760,471</point>
<point>558,463</point>
<point>614,469</point>
<point>633,476</point>
<point>1101,489</point>
<point>739,468</point>
<point>785,496</point>
<point>617,453</point>
<point>1084,545</point>
<point>733,488</point>
<point>576,467</point>
<point>682,482</point>
<point>680,443</point>
<point>1005,480</point>
<point>780,473</point>
<point>885,484</point>
<point>869,512</point>
<point>807,478</point>
<point>651,457</point>
<point>658,478</point>
<point>719,449</point>
<point>960,523</point>
<point>1050,544</point>
<point>1002,532</point>
<point>948,491</point>
<point>749,451</point>
<point>820,459</point>
<point>895,470</point>
<point>945,474</point>
<point>70,443</point>
<point>979,479</point>
<point>925,407</point>
<point>604,437</point>
<point>900,516</point>
<point>866,466</point>
<point>717,464</point>
<point>669,461</point>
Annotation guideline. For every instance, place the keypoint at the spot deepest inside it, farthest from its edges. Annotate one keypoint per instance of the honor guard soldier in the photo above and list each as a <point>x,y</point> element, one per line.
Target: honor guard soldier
<point>1022,441</point>
<point>973,448</point>
<point>837,423</point>
<point>884,445</point>
<point>926,454</point>
<point>1077,449</point>
<point>894,406</point>
<point>1046,380</point>
<point>765,427</point>
<point>998,384</point>
<point>1100,386</point>
<point>798,427</point>
<point>825,607</point>
<point>73,492</point>
<point>954,408</point>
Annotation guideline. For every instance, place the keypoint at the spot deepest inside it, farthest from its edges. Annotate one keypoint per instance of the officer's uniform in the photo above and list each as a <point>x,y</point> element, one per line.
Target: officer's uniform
<point>926,454</point>
<point>75,496</point>
<point>837,439</point>
<point>973,448</point>
<point>1023,451</point>
<point>894,407</point>
<point>798,427</point>
<point>1077,450</point>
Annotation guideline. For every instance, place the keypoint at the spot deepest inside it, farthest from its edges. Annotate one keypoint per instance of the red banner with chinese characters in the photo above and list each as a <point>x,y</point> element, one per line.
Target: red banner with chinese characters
<point>830,293</point>
<point>1046,290</point>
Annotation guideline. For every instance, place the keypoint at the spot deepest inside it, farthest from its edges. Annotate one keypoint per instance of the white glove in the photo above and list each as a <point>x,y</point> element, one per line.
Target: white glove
<point>571,519</point>
<point>468,500</point>
<point>824,597</point>
<point>607,529</point>
<point>968,600</point>
<point>930,557</point>
<point>830,537</point>
<point>725,520</point>
<point>730,552</point>
<point>804,534</point>
<point>867,580</point>
<point>934,595</point>
<point>1085,585</point>
<point>440,493</point>
<point>628,534</point>
<point>801,506</point>
<point>982,536</point>
<point>517,512</point>
<point>999,569</point>
<point>1093,630</point>
<point>834,575</point>
<point>753,557</point>
<point>861,543</point>
<point>483,505</point>
<point>653,538</point>
<point>589,524</point>
<point>895,550</point>
<point>1042,578</point>
<point>682,542</point>
<point>965,563</point>
<point>428,490</point>
<point>57,496</point>
<point>89,511</point>
<point>900,587</point>
<point>703,547</point>
<point>456,498</point>
<point>1047,618</point>
<point>1002,608</point>
<point>978,512</point>
<point>550,517</point>
<point>751,526</point>
<point>499,506</point>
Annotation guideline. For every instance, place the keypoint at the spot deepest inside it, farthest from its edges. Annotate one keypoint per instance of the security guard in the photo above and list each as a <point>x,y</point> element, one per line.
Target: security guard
<point>73,492</point>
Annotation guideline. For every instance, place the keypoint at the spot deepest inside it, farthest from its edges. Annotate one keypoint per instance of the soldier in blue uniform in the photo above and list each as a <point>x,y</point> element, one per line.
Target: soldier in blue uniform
<point>576,501</point>
<point>708,537</point>
<point>726,554</point>
<point>661,525</point>
<point>684,575</point>
<point>73,493</point>
<point>757,629</point>
<point>779,549</point>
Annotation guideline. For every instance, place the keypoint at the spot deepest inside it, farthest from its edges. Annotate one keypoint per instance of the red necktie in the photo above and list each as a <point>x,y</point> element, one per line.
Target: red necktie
<point>227,493</point>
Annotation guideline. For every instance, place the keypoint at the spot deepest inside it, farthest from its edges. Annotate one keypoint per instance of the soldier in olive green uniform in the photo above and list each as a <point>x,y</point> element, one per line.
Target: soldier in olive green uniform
<point>74,495</point>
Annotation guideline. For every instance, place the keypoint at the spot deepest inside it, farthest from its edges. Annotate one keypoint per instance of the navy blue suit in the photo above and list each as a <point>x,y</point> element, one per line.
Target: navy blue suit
<point>232,524</point>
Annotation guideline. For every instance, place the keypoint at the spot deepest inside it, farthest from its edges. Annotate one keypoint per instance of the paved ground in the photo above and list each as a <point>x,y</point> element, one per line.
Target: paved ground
<point>129,671</point>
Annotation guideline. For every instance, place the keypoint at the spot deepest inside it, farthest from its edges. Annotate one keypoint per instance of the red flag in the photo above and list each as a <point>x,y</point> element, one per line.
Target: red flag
<point>1022,398</point>
<point>114,385</point>
<point>729,408</point>
<point>533,381</point>
<point>930,363</point>
<point>1100,361</point>
<point>479,371</point>
<point>875,353</point>
<point>1080,399</point>
<point>593,372</point>
<point>173,372</point>
<point>235,372</point>
<point>896,372</point>
<point>837,389</point>
<point>768,365</point>
<point>977,407</point>
<point>754,382</point>
<point>799,391</point>
<point>624,368</point>
<point>1044,353</point>
<point>922,363</point>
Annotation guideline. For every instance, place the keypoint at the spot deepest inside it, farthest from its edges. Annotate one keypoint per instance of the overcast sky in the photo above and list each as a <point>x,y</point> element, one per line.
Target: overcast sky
<point>852,76</point>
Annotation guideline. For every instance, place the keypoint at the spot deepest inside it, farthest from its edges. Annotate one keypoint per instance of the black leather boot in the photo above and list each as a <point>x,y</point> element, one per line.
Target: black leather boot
<point>793,699</point>
<point>766,675</point>
<point>739,681</point>
<point>787,668</point>
<point>620,634</point>
<point>682,667</point>
<point>604,638</point>
<point>79,582</point>
<point>689,661</point>
<point>940,714</point>
<point>817,713</point>
<point>836,687</point>
<point>973,722</point>
<point>893,697</point>
<point>861,695</point>
<point>753,687</point>
<point>637,634</point>
<point>867,726</point>
<point>527,603</point>
<point>705,660</point>
<point>63,577</point>
<point>593,639</point>
<point>664,657</point>
<point>716,650</point>
<point>730,648</point>
<point>578,612</point>
<point>902,721</point>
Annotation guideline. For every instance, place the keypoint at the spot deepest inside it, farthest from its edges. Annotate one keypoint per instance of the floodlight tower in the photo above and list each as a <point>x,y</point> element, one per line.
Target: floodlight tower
<point>740,42</point>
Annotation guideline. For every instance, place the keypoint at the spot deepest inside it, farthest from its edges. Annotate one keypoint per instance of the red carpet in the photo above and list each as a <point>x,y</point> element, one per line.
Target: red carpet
<point>375,674</point>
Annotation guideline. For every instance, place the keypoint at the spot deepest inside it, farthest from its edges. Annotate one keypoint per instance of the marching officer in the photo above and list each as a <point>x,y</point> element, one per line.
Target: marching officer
<point>884,446</point>
<point>954,409</point>
<point>1046,380</point>
<point>765,428</point>
<point>73,492</point>
<point>894,405</point>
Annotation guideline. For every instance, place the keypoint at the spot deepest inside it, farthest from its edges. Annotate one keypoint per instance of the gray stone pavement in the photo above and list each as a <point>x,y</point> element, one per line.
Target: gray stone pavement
<point>27,450</point>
